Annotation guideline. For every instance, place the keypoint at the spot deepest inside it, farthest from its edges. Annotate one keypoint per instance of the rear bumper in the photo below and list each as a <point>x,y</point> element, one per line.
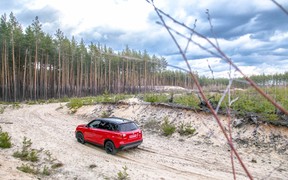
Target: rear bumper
<point>130,145</point>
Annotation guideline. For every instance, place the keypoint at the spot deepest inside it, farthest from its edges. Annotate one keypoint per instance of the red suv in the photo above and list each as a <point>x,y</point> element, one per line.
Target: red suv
<point>113,133</point>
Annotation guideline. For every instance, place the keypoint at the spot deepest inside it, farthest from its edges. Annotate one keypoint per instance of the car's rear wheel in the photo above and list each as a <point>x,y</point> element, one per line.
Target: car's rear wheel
<point>80,137</point>
<point>110,148</point>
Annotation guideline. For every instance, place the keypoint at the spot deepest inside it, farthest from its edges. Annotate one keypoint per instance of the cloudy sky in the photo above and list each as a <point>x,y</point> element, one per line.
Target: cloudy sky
<point>253,33</point>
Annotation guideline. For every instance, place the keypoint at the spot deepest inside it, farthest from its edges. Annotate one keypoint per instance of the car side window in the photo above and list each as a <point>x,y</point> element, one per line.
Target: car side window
<point>94,124</point>
<point>110,127</point>
<point>102,125</point>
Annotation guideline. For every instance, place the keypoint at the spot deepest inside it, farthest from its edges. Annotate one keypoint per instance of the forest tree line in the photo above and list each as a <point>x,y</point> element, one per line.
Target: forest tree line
<point>36,65</point>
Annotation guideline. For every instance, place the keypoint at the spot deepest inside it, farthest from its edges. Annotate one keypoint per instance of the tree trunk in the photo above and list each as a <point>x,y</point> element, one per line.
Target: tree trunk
<point>24,74</point>
<point>14,69</point>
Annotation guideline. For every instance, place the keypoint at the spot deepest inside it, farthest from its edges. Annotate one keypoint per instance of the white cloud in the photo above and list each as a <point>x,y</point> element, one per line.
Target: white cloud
<point>85,15</point>
<point>251,41</point>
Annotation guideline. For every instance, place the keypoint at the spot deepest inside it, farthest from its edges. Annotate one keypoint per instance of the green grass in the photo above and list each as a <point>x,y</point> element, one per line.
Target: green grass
<point>190,100</point>
<point>76,103</point>
<point>156,98</point>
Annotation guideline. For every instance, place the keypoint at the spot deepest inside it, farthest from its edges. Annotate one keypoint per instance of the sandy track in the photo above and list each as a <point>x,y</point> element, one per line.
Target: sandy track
<point>49,126</point>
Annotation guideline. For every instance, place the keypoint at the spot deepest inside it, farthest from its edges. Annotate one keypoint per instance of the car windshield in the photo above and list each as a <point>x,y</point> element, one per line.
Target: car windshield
<point>127,127</point>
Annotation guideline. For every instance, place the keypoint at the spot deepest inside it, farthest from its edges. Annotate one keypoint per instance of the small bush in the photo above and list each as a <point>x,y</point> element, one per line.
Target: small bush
<point>5,139</point>
<point>46,171</point>
<point>32,102</point>
<point>33,156</point>
<point>28,169</point>
<point>187,100</point>
<point>186,130</point>
<point>52,100</point>
<point>16,105</point>
<point>168,128</point>
<point>41,101</point>
<point>105,114</point>
<point>27,154</point>
<point>2,109</point>
<point>123,175</point>
<point>75,104</point>
<point>64,99</point>
<point>153,98</point>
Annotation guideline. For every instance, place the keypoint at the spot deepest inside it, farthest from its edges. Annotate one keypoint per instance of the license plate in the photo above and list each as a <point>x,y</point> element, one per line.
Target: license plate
<point>133,136</point>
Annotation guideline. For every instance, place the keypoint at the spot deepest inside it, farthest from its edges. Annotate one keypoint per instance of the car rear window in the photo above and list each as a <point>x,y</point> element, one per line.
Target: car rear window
<point>127,127</point>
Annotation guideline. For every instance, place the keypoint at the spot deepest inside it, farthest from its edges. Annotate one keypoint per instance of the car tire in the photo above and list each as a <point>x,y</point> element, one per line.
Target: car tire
<point>80,138</point>
<point>110,148</point>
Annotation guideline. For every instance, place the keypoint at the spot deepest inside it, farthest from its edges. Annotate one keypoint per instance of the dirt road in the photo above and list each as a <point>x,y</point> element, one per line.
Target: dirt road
<point>51,127</point>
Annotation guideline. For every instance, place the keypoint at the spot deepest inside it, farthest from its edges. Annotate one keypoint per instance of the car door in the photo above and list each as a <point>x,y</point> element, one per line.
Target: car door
<point>92,134</point>
<point>103,132</point>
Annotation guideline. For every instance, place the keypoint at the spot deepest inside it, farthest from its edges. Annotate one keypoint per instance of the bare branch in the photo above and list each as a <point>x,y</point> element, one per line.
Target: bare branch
<point>223,95</point>
<point>210,69</point>
<point>185,50</point>
<point>200,89</point>
<point>281,7</point>
<point>211,27</point>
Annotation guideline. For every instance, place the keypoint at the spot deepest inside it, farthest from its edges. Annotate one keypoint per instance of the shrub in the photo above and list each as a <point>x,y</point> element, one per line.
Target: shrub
<point>75,104</point>
<point>5,139</point>
<point>168,128</point>
<point>28,169</point>
<point>46,171</point>
<point>31,102</point>
<point>2,110</point>
<point>186,130</point>
<point>153,98</point>
<point>27,154</point>
<point>105,114</point>
<point>123,175</point>
<point>187,100</point>
<point>16,105</point>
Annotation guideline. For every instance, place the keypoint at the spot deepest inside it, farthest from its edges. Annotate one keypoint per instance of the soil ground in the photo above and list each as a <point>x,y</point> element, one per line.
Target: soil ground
<point>205,155</point>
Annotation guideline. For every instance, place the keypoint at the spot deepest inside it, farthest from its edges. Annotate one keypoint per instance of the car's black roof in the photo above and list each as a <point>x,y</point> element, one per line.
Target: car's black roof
<point>115,120</point>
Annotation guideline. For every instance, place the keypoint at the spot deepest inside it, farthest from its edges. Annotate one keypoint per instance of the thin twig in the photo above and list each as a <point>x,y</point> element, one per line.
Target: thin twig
<point>281,7</point>
<point>211,27</point>
<point>210,69</point>
<point>189,40</point>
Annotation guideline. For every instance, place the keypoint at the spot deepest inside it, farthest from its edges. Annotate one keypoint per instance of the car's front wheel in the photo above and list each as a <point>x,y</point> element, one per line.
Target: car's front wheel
<point>110,148</point>
<point>80,137</point>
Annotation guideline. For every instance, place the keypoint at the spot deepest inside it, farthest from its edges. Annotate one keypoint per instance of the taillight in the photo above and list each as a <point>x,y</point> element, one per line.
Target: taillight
<point>122,135</point>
